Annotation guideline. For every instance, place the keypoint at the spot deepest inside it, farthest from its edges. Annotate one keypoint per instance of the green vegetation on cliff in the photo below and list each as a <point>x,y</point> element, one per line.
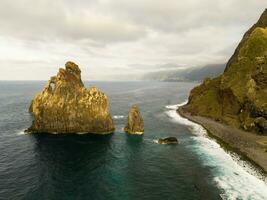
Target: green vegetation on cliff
<point>239,96</point>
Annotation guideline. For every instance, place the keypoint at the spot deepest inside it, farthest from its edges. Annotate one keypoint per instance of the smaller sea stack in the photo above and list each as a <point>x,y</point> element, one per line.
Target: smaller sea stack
<point>135,122</point>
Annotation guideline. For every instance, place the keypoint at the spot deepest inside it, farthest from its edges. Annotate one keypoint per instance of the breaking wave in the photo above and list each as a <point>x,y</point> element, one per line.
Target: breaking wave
<point>21,132</point>
<point>118,116</point>
<point>237,179</point>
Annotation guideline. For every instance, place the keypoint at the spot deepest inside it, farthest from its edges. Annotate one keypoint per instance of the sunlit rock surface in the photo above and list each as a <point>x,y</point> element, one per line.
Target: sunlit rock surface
<point>66,106</point>
<point>135,122</point>
<point>239,96</point>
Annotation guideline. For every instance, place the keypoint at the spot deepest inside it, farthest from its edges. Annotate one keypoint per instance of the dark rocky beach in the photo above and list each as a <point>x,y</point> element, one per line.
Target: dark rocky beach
<point>250,145</point>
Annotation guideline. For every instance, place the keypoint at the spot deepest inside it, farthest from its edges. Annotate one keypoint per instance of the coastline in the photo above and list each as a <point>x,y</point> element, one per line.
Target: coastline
<point>251,146</point>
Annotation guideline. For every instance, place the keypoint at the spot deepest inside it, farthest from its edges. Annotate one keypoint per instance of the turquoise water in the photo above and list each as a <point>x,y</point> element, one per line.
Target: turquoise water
<point>118,166</point>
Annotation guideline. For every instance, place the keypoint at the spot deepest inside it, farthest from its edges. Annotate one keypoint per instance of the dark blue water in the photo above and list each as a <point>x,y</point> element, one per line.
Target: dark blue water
<point>118,166</point>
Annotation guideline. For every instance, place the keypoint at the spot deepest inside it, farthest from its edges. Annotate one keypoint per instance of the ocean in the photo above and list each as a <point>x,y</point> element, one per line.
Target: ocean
<point>119,166</point>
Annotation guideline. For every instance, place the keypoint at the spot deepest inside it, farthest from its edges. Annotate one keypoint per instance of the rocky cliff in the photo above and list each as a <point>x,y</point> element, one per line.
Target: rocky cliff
<point>66,106</point>
<point>135,122</point>
<point>239,96</point>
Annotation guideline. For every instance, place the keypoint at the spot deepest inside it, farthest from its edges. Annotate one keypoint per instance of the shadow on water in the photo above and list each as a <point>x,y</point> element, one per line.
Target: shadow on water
<point>69,163</point>
<point>135,140</point>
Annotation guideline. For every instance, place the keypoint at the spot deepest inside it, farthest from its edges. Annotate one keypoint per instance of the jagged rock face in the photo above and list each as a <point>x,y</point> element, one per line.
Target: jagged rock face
<point>66,106</point>
<point>239,96</point>
<point>135,122</point>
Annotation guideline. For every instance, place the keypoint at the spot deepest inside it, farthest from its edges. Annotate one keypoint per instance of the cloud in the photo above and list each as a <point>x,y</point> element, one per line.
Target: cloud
<point>177,16</point>
<point>55,20</point>
<point>108,38</point>
<point>145,68</point>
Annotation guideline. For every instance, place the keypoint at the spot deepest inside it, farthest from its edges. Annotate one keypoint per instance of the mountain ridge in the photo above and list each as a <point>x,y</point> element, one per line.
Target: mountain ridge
<point>238,96</point>
<point>262,22</point>
<point>190,74</point>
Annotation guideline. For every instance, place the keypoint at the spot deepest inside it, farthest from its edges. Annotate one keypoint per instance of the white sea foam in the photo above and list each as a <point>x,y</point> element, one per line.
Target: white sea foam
<point>156,141</point>
<point>236,179</point>
<point>82,133</point>
<point>21,132</point>
<point>118,116</point>
<point>175,117</point>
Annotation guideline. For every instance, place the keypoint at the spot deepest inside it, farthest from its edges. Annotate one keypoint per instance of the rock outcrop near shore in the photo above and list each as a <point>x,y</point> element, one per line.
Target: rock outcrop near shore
<point>66,106</point>
<point>239,96</point>
<point>135,122</point>
<point>168,140</point>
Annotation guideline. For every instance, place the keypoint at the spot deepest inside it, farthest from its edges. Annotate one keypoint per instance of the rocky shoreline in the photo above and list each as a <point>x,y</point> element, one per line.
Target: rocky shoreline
<point>250,145</point>
<point>238,96</point>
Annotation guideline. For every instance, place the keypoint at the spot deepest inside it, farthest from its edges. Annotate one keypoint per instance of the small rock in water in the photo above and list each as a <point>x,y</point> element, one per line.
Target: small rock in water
<point>168,140</point>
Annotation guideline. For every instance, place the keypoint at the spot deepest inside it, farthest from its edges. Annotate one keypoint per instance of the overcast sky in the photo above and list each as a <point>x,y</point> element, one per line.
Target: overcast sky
<point>119,39</point>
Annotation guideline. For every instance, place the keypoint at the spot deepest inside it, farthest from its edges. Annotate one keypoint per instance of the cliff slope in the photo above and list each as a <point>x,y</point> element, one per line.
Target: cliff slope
<point>66,106</point>
<point>239,96</point>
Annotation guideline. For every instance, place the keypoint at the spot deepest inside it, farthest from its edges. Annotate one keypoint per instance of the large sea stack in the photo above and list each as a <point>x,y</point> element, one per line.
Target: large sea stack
<point>239,96</point>
<point>135,122</point>
<point>66,106</point>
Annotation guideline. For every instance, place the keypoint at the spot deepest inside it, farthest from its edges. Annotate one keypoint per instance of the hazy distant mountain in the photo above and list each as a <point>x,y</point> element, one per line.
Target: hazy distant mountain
<point>191,74</point>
